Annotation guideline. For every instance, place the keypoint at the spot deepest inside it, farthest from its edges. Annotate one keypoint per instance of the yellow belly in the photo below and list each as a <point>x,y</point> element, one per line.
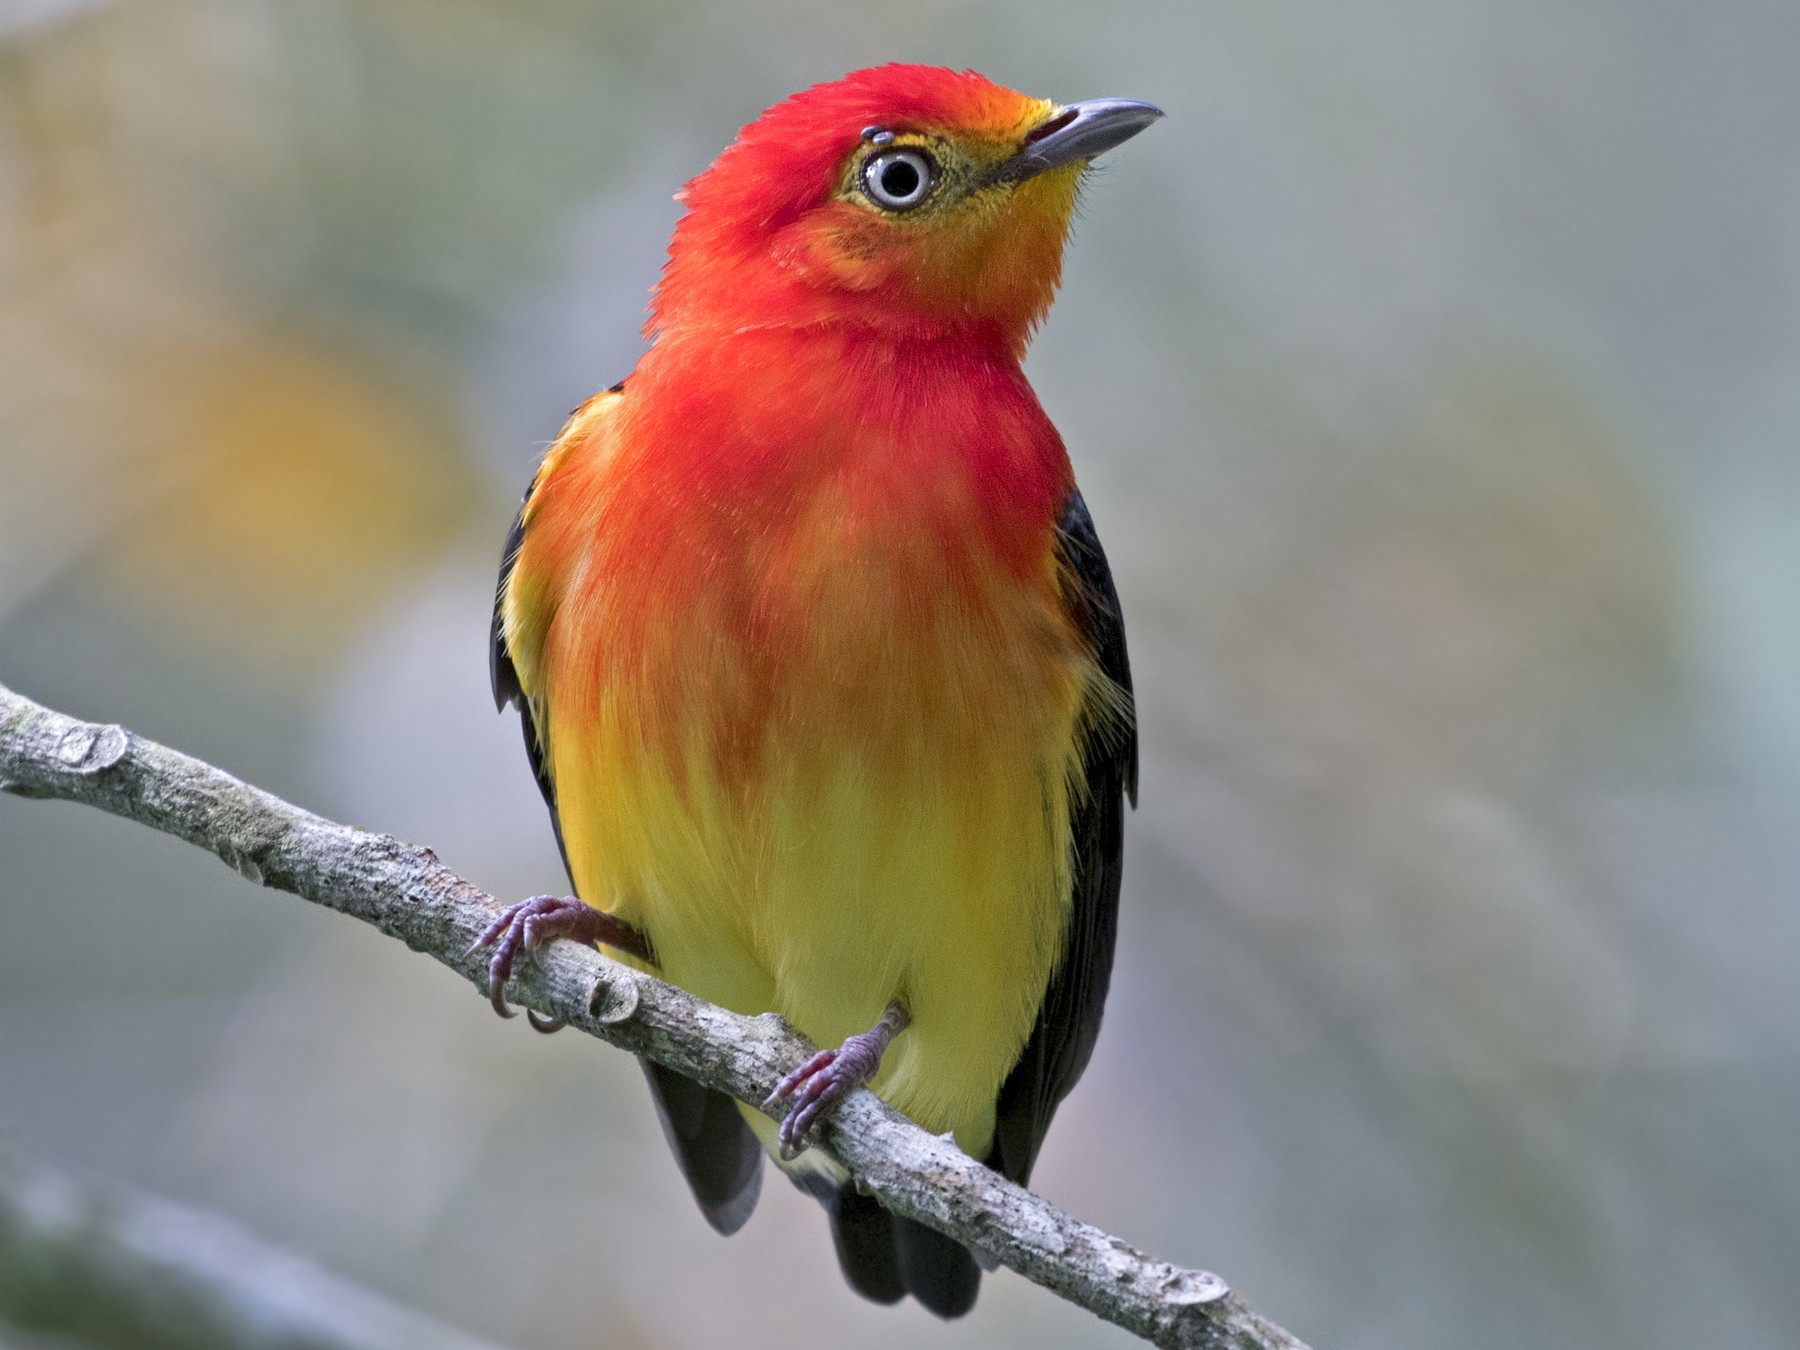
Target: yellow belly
<point>897,826</point>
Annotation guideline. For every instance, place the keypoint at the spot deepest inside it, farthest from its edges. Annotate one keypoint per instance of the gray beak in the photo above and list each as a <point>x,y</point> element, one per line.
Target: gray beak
<point>1079,131</point>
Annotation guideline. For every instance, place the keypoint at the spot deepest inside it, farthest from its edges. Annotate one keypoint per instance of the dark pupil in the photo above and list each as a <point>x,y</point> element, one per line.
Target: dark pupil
<point>900,178</point>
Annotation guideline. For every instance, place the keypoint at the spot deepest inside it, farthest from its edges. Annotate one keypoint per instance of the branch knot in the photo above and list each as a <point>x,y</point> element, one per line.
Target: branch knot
<point>87,748</point>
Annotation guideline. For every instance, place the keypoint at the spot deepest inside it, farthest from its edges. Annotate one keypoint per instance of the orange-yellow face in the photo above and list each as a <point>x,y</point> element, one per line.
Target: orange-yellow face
<point>902,197</point>
<point>927,214</point>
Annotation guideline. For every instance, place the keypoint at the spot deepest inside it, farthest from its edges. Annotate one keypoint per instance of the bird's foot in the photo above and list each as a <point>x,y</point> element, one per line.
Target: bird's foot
<point>522,927</point>
<point>831,1074</point>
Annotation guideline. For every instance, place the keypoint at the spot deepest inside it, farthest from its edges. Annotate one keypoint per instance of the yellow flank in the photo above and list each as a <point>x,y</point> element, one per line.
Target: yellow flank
<point>899,829</point>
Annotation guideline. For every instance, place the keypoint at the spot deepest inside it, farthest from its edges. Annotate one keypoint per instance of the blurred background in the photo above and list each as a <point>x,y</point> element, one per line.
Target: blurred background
<point>1432,375</point>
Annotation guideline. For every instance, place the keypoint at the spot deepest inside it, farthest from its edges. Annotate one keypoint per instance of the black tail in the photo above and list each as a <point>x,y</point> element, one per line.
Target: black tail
<point>886,1257</point>
<point>718,1154</point>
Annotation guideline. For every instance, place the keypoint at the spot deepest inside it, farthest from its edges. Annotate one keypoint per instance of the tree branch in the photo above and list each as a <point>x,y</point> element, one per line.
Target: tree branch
<point>407,893</point>
<point>106,1267</point>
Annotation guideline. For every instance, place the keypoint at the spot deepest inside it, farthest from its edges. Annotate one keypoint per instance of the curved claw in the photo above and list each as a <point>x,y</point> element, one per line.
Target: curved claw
<point>506,935</point>
<point>500,967</point>
<point>497,995</point>
<point>547,1026</point>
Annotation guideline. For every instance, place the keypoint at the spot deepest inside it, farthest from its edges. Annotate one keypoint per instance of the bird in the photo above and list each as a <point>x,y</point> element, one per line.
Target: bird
<point>820,664</point>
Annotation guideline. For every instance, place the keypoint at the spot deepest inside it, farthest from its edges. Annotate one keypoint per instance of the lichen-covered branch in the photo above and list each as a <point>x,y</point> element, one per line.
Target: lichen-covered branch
<point>102,1266</point>
<point>405,892</point>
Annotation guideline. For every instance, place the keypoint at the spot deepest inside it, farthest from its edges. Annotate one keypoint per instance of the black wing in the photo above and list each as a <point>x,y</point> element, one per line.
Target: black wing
<point>1069,1020</point>
<point>505,678</point>
<point>719,1156</point>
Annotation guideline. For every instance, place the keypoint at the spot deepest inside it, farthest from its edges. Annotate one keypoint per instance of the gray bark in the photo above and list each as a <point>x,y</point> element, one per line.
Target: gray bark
<point>407,893</point>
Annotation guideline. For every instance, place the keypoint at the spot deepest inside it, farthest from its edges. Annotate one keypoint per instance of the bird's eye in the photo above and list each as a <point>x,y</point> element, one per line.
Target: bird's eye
<point>898,180</point>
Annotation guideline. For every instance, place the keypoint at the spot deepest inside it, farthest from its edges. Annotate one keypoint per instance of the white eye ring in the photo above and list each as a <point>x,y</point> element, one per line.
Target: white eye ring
<point>898,180</point>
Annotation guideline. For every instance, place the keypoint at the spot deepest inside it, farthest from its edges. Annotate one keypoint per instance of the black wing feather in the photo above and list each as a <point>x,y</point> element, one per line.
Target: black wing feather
<point>503,676</point>
<point>719,1156</point>
<point>885,1257</point>
<point>1069,1020</point>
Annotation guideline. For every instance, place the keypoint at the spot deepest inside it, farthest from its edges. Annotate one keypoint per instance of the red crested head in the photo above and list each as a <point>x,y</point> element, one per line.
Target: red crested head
<point>912,199</point>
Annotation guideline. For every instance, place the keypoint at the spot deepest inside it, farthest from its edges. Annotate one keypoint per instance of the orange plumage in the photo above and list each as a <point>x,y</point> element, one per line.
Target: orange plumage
<point>822,668</point>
